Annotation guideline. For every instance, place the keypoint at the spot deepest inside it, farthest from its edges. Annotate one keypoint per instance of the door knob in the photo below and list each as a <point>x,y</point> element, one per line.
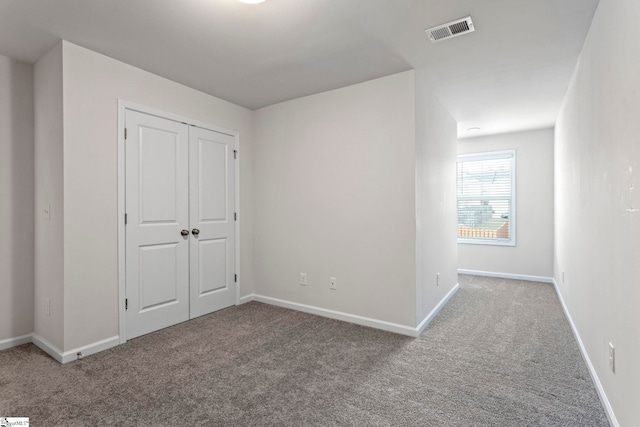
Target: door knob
<point>185,232</point>
<point>195,231</point>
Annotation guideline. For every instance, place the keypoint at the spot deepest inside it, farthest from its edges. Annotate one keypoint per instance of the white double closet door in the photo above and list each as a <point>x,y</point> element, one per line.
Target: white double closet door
<point>180,231</point>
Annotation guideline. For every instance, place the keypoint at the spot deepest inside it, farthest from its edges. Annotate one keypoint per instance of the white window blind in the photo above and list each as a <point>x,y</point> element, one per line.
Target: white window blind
<point>486,198</point>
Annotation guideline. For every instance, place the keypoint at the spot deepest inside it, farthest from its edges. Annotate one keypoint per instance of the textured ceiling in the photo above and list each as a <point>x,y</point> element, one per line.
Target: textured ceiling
<point>510,74</point>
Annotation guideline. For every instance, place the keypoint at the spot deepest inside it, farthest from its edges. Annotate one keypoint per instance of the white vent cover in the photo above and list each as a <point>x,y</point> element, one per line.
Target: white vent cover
<point>451,29</point>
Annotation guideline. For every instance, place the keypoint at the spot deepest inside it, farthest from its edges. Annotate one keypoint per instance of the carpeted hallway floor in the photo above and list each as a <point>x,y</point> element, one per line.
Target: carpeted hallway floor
<point>501,353</point>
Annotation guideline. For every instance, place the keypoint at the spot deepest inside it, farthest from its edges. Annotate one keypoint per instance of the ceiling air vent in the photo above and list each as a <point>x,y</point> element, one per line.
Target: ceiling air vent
<point>451,29</point>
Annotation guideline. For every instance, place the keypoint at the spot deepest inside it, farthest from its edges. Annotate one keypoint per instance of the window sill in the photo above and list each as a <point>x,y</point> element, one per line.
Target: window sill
<point>487,242</point>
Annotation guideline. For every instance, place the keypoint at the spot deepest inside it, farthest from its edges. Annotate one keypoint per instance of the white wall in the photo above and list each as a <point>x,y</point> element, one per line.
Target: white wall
<point>93,83</point>
<point>328,188</point>
<point>335,196</point>
<point>533,253</point>
<point>16,198</point>
<point>436,223</point>
<point>49,234</point>
<point>597,238</point>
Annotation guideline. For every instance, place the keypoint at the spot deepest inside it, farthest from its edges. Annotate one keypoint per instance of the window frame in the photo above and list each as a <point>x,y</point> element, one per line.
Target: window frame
<point>492,155</point>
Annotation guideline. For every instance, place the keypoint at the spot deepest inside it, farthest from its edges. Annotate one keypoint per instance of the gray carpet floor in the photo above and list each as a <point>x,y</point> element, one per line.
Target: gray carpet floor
<point>500,353</point>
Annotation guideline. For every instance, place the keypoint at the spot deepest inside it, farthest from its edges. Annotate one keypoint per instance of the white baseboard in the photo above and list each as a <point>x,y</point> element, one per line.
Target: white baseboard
<point>15,341</point>
<point>338,315</point>
<point>87,350</point>
<point>425,322</point>
<point>47,347</point>
<point>542,279</point>
<point>594,376</point>
<point>71,355</point>
<point>247,298</point>
<point>358,320</point>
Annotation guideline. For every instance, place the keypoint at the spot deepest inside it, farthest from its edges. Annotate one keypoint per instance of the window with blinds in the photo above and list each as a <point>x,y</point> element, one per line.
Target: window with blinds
<point>486,198</point>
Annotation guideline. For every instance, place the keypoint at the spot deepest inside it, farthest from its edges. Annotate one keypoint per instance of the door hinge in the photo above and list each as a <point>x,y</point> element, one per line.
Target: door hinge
<point>125,133</point>
<point>235,216</point>
<point>126,303</point>
<point>235,277</point>
<point>235,154</point>
<point>125,219</point>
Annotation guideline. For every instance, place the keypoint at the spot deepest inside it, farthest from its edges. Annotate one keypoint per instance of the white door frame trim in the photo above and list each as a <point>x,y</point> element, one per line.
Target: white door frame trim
<point>122,107</point>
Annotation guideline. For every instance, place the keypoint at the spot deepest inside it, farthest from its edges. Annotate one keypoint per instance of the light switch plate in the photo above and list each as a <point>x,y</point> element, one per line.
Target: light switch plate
<point>612,358</point>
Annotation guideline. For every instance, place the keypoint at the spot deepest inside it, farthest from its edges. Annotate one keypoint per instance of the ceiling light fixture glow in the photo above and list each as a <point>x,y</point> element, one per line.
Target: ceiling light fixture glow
<point>251,1</point>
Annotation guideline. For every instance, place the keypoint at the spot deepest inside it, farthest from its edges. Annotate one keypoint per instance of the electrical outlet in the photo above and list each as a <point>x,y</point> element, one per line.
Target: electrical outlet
<point>437,279</point>
<point>332,283</point>
<point>47,306</point>
<point>612,358</point>
<point>303,279</point>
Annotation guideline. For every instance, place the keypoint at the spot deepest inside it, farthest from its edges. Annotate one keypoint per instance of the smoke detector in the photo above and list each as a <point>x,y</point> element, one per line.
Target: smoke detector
<point>451,29</point>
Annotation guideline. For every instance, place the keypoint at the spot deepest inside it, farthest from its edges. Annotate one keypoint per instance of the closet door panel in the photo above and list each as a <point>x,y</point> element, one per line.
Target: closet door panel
<point>212,254</point>
<point>157,208</point>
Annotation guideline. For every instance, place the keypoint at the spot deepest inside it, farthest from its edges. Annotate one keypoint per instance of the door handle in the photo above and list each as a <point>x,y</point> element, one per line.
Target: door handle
<point>195,231</point>
<point>185,232</point>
